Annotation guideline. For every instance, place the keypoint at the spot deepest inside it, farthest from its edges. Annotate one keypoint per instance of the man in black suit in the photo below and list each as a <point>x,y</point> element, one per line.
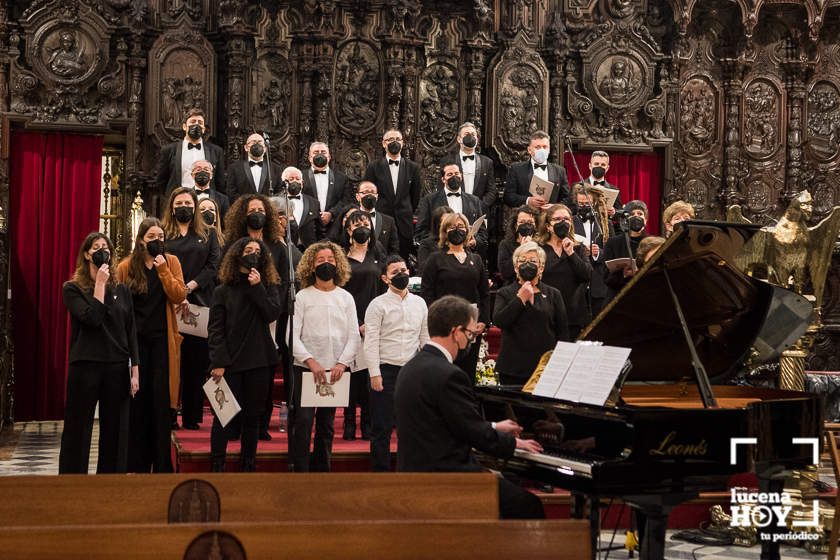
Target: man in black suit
<point>452,194</point>
<point>304,210</point>
<point>518,182</point>
<point>437,414</point>
<point>329,186</point>
<point>476,169</point>
<point>244,175</point>
<point>174,165</point>
<point>599,164</point>
<point>587,227</point>
<point>617,246</point>
<point>384,226</point>
<point>202,175</point>
<point>398,181</point>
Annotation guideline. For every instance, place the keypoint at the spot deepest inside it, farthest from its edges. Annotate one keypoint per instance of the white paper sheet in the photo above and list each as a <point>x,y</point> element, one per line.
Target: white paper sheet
<point>582,372</point>
<point>196,321</point>
<point>326,395</point>
<point>541,187</point>
<point>225,405</point>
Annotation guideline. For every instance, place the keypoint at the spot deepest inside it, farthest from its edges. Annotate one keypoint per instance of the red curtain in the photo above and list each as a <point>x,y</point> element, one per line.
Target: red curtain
<point>55,190</point>
<point>638,177</point>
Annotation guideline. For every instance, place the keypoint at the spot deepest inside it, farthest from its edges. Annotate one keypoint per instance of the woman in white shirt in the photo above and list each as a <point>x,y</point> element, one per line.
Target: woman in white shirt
<point>325,341</point>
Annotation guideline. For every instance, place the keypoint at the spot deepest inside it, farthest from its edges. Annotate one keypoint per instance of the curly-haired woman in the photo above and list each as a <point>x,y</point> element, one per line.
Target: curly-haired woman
<point>242,350</point>
<point>325,339</point>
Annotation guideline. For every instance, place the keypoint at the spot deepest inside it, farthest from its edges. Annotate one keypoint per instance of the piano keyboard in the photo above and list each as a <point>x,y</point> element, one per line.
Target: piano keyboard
<point>564,465</point>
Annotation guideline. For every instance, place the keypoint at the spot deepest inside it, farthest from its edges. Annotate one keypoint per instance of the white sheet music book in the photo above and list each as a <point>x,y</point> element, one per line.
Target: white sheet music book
<point>325,394</point>
<point>195,321</point>
<point>225,406</point>
<point>581,372</point>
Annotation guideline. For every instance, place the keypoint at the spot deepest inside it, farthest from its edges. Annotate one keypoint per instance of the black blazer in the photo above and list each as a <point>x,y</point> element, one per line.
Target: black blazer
<point>339,191</point>
<point>240,180</point>
<point>168,169</point>
<point>399,205</point>
<point>484,186</point>
<point>597,287</point>
<point>473,210</point>
<point>518,182</point>
<point>238,329</point>
<point>101,332</point>
<point>438,419</point>
<point>310,229</point>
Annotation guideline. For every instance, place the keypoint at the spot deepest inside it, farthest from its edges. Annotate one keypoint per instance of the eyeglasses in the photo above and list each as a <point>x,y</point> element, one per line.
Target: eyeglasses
<point>470,334</point>
<point>532,261</point>
<point>462,228</point>
<point>394,139</point>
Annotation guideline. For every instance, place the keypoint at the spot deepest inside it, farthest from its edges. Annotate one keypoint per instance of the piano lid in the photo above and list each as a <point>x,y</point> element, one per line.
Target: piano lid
<point>724,308</point>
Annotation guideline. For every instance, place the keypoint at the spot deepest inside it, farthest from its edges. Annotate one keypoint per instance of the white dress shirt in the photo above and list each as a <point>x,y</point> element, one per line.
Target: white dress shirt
<point>455,202</point>
<point>322,185</point>
<point>443,351</point>
<point>468,171</point>
<point>541,173</point>
<point>188,158</point>
<point>326,327</point>
<point>395,329</point>
<point>256,172</point>
<point>395,172</point>
<point>297,207</point>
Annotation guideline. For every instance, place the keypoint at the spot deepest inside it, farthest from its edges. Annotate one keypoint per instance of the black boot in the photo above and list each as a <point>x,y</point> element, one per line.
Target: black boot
<point>249,464</point>
<point>217,465</point>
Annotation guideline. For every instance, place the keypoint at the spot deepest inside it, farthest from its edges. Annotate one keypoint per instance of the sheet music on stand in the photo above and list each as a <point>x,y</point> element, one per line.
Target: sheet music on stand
<point>583,372</point>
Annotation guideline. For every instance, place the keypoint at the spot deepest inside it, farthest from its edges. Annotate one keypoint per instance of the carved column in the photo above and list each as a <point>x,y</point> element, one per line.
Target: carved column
<point>7,375</point>
<point>394,62</point>
<point>238,58</point>
<point>307,75</point>
<point>733,92</point>
<point>797,73</point>
<point>476,74</point>
<point>323,62</point>
<point>409,99</point>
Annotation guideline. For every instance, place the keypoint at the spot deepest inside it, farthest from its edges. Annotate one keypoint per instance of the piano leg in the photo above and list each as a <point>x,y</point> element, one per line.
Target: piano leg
<point>653,538</point>
<point>769,548</point>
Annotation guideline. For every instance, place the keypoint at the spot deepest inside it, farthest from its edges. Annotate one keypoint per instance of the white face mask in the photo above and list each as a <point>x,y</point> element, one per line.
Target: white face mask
<point>540,156</point>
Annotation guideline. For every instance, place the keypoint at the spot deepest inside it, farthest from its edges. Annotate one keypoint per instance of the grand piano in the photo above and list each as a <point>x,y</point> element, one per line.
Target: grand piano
<point>691,319</point>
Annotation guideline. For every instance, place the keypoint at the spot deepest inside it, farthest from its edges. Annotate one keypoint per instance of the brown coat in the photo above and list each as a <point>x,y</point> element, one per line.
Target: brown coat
<point>172,279</point>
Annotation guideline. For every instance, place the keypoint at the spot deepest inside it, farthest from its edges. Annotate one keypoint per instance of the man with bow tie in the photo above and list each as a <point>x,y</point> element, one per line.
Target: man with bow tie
<point>304,209</point>
<point>202,176</point>
<point>476,169</point>
<point>251,175</point>
<point>599,164</point>
<point>451,193</point>
<point>326,184</point>
<point>518,181</point>
<point>175,161</point>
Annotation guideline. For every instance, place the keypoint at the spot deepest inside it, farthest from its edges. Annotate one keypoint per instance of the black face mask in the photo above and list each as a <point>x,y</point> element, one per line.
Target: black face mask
<point>361,234</point>
<point>453,184</point>
<point>526,230</point>
<point>394,148</point>
<point>202,178</point>
<point>599,172</point>
<point>325,272</point>
<point>320,160</point>
<point>561,229</point>
<point>528,271</point>
<point>100,257</point>
<point>636,223</point>
<point>251,260</point>
<point>195,132</point>
<point>585,213</point>
<point>294,188</point>
<point>256,150</point>
<point>400,281</point>
<point>184,214</point>
<point>469,141</point>
<point>463,352</point>
<point>456,236</point>
<point>256,220</point>
<point>154,247</point>
<point>209,217</point>
<point>369,202</point>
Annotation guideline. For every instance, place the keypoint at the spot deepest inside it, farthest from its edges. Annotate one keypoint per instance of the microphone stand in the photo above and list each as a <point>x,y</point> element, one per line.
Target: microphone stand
<point>567,141</point>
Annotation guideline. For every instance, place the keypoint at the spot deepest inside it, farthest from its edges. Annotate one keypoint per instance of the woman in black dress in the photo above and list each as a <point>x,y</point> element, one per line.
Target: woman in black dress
<point>196,244</point>
<point>456,271</point>
<point>365,256</point>
<point>242,350</point>
<point>531,315</point>
<point>567,265</point>
<point>522,227</point>
<point>103,345</point>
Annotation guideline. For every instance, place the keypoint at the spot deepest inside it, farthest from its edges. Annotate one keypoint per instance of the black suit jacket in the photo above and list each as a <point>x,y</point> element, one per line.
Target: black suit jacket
<point>473,210</point>
<point>597,287</point>
<point>399,205</point>
<point>438,419</point>
<point>168,169</point>
<point>240,180</point>
<point>384,230</point>
<point>339,191</point>
<point>484,186</point>
<point>519,181</point>
<point>221,199</point>
<point>310,229</point>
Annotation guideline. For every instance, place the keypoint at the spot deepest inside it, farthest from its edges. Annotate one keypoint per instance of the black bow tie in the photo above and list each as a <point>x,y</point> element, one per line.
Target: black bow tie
<point>453,194</point>
<point>393,162</point>
<point>599,182</point>
<point>253,163</point>
<point>193,146</point>
<point>315,171</point>
<point>291,196</point>
<point>372,215</point>
<point>465,158</point>
<point>538,166</point>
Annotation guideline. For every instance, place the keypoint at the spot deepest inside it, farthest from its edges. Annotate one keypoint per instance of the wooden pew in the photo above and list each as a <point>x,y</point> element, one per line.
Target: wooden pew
<point>254,497</point>
<point>406,540</point>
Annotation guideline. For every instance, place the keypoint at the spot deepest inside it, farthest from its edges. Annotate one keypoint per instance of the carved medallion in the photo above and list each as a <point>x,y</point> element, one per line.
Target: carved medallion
<point>194,501</point>
<point>696,192</point>
<point>355,162</point>
<point>619,81</point>
<point>762,119</point>
<point>758,196</point>
<point>215,545</point>
<point>698,116</point>
<point>67,53</point>
<point>823,198</point>
<point>520,105</point>
<point>357,99</point>
<point>824,121</point>
<point>439,107</point>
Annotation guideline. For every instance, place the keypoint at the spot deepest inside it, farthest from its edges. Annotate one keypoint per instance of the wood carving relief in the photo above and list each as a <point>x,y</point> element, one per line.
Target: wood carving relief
<point>823,121</point>
<point>699,110</point>
<point>357,97</point>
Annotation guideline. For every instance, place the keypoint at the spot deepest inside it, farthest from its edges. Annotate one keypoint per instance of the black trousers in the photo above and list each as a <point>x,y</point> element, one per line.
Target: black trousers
<point>469,362</point>
<point>359,389</point>
<point>195,366</point>
<point>517,503</point>
<point>382,419</point>
<point>249,388</point>
<point>150,440</point>
<point>300,433</point>
<point>87,383</point>
<point>283,350</point>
